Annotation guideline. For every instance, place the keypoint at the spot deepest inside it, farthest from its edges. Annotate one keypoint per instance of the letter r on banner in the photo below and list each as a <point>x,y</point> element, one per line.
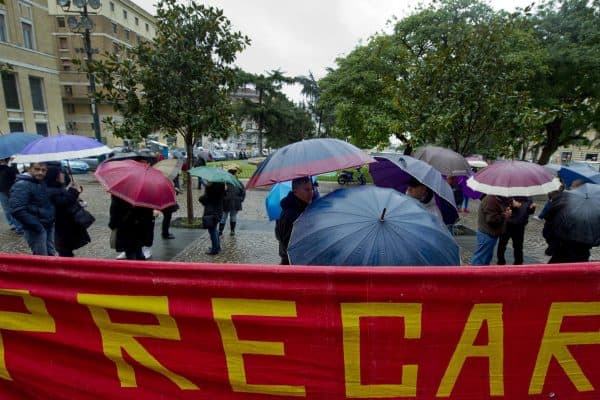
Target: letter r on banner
<point>351,314</point>
<point>38,320</point>
<point>224,310</point>
<point>119,337</point>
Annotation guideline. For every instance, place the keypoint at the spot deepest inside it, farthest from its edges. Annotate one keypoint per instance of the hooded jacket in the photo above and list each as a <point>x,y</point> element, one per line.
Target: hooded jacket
<point>30,204</point>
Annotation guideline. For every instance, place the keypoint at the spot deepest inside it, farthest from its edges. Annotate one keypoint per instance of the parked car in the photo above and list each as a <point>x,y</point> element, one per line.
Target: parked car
<point>92,162</point>
<point>76,166</point>
<point>231,155</point>
<point>218,155</point>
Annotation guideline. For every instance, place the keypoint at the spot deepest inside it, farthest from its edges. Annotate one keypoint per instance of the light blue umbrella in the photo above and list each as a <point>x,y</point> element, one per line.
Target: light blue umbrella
<point>573,172</point>
<point>276,194</point>
<point>13,143</point>
<point>370,226</point>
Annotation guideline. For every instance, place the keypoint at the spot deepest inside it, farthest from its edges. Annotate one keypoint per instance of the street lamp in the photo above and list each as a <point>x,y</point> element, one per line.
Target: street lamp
<point>84,25</point>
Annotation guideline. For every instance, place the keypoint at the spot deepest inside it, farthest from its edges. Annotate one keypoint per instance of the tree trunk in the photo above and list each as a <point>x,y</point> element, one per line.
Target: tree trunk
<point>188,182</point>
<point>553,131</point>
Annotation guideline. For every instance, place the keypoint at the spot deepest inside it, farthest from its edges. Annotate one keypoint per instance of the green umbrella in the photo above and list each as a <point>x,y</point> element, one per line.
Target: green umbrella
<point>212,174</point>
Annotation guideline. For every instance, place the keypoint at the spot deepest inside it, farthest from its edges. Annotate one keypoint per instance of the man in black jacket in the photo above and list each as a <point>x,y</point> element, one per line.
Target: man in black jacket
<point>521,209</point>
<point>31,206</point>
<point>8,176</point>
<point>292,206</point>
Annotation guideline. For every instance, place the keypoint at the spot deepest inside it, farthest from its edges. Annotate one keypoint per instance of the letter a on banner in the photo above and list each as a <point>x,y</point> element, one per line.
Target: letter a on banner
<point>554,344</point>
<point>37,321</point>
<point>119,337</point>
<point>351,314</point>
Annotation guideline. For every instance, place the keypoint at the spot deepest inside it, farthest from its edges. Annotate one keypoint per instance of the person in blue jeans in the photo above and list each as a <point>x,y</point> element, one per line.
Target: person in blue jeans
<point>491,223</point>
<point>8,176</point>
<point>30,205</point>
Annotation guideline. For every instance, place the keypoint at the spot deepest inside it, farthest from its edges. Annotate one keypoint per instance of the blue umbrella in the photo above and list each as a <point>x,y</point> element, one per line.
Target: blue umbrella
<point>276,194</point>
<point>13,143</point>
<point>61,147</point>
<point>370,226</point>
<point>570,173</point>
<point>395,172</point>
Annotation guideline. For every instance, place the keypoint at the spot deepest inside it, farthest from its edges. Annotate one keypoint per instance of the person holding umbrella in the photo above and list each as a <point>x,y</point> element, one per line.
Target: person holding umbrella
<point>292,206</point>
<point>521,208</point>
<point>491,223</point>
<point>232,203</point>
<point>130,225</point>
<point>424,195</point>
<point>8,176</point>
<point>212,200</point>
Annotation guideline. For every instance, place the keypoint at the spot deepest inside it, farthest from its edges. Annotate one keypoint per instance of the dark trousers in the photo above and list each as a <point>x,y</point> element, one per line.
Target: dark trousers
<point>166,222</point>
<point>516,233</point>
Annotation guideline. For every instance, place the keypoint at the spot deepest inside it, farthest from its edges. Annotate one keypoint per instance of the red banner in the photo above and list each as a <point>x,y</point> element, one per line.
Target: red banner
<point>98,329</point>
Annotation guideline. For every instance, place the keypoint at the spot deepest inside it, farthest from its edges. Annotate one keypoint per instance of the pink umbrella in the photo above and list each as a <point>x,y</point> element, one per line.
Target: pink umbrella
<point>514,178</point>
<point>137,183</point>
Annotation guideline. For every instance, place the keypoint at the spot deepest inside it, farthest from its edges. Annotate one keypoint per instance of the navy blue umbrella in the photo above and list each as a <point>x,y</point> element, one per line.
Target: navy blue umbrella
<point>577,215</point>
<point>13,143</point>
<point>573,172</point>
<point>395,172</point>
<point>370,226</point>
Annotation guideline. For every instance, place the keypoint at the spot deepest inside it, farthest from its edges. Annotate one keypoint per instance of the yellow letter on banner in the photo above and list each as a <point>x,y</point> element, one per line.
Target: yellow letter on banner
<point>37,321</point>
<point>554,344</point>
<point>351,314</point>
<point>494,350</point>
<point>118,338</point>
<point>224,310</point>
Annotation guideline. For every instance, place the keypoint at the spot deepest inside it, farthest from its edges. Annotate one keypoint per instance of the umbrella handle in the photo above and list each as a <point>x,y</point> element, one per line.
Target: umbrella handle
<point>383,214</point>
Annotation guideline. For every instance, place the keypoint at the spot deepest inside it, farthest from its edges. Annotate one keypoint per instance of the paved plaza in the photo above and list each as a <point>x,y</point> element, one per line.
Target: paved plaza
<point>254,242</point>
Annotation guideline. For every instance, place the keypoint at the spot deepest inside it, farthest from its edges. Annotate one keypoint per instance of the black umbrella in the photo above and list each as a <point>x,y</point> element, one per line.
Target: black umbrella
<point>138,155</point>
<point>575,215</point>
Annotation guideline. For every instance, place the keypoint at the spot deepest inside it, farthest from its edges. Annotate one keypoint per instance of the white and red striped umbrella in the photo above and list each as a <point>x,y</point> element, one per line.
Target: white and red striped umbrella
<point>514,178</point>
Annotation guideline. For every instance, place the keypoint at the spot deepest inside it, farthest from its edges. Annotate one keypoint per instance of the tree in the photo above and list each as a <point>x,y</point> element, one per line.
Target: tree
<point>288,123</point>
<point>268,88</point>
<point>312,91</point>
<point>568,93</point>
<point>180,82</point>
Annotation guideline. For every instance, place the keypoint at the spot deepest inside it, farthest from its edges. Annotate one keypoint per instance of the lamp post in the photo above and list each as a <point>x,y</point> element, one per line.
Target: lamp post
<point>87,25</point>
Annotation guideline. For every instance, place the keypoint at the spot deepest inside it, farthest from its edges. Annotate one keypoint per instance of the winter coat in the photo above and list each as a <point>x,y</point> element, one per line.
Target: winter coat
<point>491,219</point>
<point>520,215</point>
<point>234,196</point>
<point>212,199</point>
<point>135,225</point>
<point>68,234</point>
<point>30,205</point>
<point>291,208</point>
<point>8,176</point>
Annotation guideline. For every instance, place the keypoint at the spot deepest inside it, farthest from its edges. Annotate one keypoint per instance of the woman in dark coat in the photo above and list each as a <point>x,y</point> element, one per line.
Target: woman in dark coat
<point>234,196</point>
<point>212,200</point>
<point>68,235</point>
<point>133,225</point>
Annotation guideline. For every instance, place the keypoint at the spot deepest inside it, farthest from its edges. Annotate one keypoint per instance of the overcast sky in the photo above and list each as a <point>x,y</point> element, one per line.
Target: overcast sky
<point>301,36</point>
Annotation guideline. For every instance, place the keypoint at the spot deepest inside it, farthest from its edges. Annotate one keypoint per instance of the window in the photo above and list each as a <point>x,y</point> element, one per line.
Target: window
<point>147,28</point>
<point>66,65</point>
<point>124,14</point>
<point>16,126</point>
<point>114,27</point>
<point>591,157</point>
<point>63,43</point>
<point>60,22</point>
<point>137,21</point>
<point>70,108</point>
<point>112,6</point>
<point>41,128</point>
<point>3,34</point>
<point>37,93</point>
<point>565,157</point>
<point>126,35</point>
<point>28,37</point>
<point>11,91</point>
<point>69,90</point>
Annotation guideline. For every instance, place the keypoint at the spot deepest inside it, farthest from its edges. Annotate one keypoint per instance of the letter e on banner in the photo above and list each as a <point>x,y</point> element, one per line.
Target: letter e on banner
<point>120,337</point>
<point>37,321</point>
<point>224,310</point>
<point>351,314</point>
<point>554,344</point>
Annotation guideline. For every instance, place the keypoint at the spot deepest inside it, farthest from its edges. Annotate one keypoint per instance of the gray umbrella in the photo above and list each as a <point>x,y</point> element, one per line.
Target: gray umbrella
<point>575,215</point>
<point>448,162</point>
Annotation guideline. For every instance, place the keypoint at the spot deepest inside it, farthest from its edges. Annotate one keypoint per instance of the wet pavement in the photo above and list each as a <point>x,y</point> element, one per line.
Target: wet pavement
<point>254,241</point>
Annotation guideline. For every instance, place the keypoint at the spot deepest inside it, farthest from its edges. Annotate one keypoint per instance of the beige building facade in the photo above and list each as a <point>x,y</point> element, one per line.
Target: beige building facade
<point>30,98</point>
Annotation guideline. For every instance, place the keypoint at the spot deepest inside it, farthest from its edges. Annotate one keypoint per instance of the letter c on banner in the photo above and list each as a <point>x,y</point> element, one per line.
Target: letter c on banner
<point>37,321</point>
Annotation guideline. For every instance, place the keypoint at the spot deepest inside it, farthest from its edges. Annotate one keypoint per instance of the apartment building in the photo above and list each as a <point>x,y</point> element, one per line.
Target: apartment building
<point>115,24</point>
<point>30,97</point>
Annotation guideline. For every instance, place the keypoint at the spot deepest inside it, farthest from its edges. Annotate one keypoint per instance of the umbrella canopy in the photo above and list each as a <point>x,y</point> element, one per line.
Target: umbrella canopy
<point>370,226</point>
<point>307,158</point>
<point>212,174</point>
<point>170,167</point>
<point>582,171</point>
<point>554,168</point>
<point>448,162</point>
<point>137,183</point>
<point>395,172</point>
<point>578,215</point>
<point>13,143</point>
<point>276,194</point>
<point>61,147</point>
<point>514,178</point>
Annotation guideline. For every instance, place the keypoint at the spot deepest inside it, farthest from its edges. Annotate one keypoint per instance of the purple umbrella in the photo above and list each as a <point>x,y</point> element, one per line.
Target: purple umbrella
<point>61,147</point>
<point>467,191</point>
<point>514,178</point>
<point>395,172</point>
